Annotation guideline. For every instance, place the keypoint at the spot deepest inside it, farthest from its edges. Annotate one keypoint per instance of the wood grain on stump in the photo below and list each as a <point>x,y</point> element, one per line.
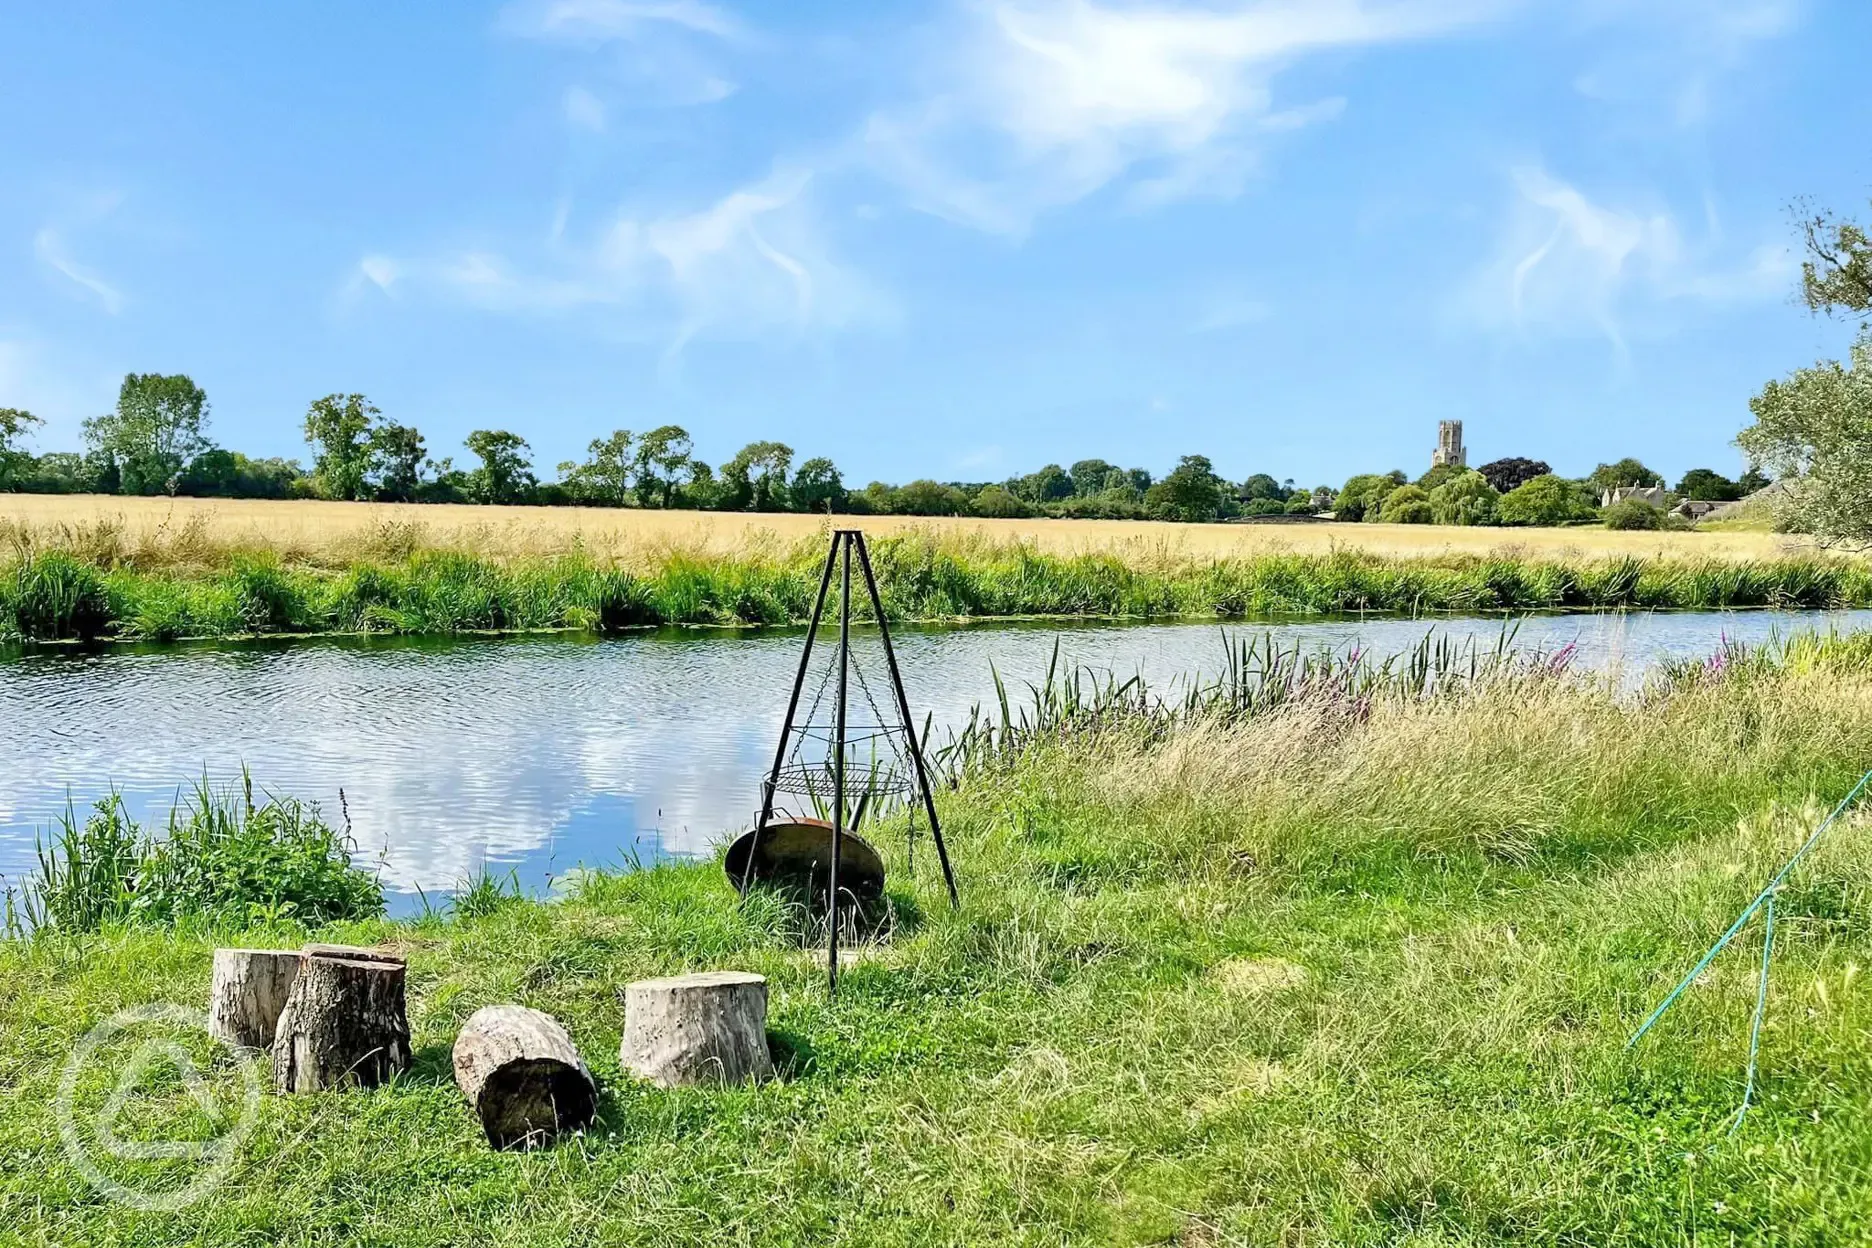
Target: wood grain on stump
<point>249,991</point>
<point>345,1023</point>
<point>523,1076</point>
<point>708,1027</point>
<point>356,953</point>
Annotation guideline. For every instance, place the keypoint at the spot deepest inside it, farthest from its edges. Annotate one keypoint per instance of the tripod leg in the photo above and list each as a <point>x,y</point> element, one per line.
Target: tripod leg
<point>903,708</point>
<point>786,725</point>
<point>838,775</point>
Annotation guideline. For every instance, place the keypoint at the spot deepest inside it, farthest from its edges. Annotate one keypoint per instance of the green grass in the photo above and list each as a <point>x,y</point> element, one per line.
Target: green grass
<point>1356,967</point>
<point>52,596</point>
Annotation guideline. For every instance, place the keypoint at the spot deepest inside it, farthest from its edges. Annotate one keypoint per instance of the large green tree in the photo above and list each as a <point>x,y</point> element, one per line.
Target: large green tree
<point>339,428</point>
<point>1627,471</point>
<point>1263,486</point>
<point>1407,504</point>
<point>1814,430</point>
<point>605,476</point>
<point>756,478</point>
<point>1708,485</point>
<point>1836,277</point>
<point>1438,474</point>
<point>1191,492</point>
<point>1505,474</point>
<point>15,424</point>
<point>1049,485</point>
<point>159,425</point>
<point>1362,495</point>
<point>662,465</point>
<point>1095,476</point>
<point>1466,498</point>
<point>399,453</point>
<point>506,471</point>
<point>1545,500</point>
<point>817,486</point>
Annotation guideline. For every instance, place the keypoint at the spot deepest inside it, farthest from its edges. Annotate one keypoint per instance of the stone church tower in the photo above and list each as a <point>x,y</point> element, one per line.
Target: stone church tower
<point>1449,447</point>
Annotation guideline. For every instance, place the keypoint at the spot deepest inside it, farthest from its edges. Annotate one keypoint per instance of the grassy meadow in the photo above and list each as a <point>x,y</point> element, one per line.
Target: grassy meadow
<point>1354,965</point>
<point>169,570</point>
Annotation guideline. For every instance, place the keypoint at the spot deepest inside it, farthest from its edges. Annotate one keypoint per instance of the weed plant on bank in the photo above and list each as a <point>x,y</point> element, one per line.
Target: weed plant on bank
<point>220,859</point>
<point>1353,962</point>
<point>75,592</point>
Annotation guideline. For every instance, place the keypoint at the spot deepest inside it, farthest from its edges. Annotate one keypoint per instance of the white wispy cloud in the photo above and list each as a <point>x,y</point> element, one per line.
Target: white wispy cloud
<point>482,279</point>
<point>1672,57</point>
<point>750,264</point>
<point>635,54</point>
<point>1034,104</point>
<point>614,19</point>
<point>49,247</point>
<point>1569,264</point>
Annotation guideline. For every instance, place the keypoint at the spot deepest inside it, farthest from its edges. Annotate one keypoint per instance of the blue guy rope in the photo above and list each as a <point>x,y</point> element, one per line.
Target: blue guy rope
<point>1765,898</point>
<point>1748,912</point>
<point>1761,1005</point>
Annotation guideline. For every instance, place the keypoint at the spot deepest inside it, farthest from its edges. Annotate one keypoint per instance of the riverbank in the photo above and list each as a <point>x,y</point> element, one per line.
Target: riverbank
<point>1355,968</point>
<point>73,591</point>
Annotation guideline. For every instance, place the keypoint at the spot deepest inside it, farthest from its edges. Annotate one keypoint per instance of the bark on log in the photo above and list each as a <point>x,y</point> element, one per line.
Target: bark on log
<point>709,1027</point>
<point>249,991</point>
<point>356,953</point>
<point>345,1022</point>
<point>523,1076</point>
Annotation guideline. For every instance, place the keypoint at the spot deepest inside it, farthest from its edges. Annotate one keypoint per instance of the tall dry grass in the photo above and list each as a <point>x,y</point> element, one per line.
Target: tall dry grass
<point>153,532</point>
<point>1448,754</point>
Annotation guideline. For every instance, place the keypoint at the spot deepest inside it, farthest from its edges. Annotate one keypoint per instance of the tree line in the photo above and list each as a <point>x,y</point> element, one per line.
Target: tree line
<point>155,441</point>
<point>1519,491</point>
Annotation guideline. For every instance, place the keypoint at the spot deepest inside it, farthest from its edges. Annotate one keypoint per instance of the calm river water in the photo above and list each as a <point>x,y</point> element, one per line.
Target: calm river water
<point>539,754</point>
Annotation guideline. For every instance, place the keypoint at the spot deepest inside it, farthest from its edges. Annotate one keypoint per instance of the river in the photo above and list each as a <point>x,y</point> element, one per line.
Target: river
<point>537,754</point>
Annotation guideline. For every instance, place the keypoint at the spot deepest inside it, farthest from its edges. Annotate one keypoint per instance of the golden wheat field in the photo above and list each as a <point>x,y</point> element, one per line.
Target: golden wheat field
<point>181,528</point>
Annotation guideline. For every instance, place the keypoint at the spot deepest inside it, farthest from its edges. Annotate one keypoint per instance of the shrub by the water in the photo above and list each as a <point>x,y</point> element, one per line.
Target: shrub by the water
<point>52,597</point>
<point>221,857</point>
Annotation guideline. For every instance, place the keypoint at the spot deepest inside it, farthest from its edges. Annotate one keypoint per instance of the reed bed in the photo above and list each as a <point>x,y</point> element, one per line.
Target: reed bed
<point>1328,951</point>
<point>74,592</point>
<point>221,857</point>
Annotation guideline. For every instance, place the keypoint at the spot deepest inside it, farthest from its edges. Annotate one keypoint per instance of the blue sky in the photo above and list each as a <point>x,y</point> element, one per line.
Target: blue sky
<point>956,238</point>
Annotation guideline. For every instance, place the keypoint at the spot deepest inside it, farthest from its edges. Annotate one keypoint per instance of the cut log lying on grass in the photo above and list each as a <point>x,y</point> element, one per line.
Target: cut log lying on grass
<point>709,1027</point>
<point>344,1023</point>
<point>523,1076</point>
<point>249,991</point>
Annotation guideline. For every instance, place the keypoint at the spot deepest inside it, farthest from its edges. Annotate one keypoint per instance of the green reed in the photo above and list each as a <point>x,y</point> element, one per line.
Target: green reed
<point>222,856</point>
<point>1258,675</point>
<point>55,596</point>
